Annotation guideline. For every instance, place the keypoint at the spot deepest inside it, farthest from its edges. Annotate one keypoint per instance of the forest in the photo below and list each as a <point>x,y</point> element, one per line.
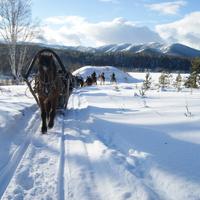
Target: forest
<point>127,61</point>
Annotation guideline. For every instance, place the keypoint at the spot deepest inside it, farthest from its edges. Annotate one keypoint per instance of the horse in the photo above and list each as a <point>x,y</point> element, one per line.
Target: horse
<point>88,81</point>
<point>113,78</point>
<point>48,89</point>
<point>94,78</point>
<point>77,81</point>
<point>101,78</point>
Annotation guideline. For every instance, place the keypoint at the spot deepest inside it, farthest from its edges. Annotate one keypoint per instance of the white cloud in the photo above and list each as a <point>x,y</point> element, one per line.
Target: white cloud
<point>170,8</point>
<point>75,30</point>
<point>185,31</point>
<point>111,1</point>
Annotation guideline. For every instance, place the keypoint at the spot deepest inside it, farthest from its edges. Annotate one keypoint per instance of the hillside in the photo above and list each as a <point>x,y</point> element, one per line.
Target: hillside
<point>153,57</point>
<point>154,48</point>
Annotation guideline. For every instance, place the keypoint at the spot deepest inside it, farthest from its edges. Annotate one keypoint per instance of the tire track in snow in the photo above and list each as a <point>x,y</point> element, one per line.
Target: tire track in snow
<point>8,173</point>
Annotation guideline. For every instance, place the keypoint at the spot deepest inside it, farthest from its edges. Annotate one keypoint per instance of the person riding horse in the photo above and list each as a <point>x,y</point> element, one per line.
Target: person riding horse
<point>102,78</point>
<point>94,78</point>
<point>113,78</point>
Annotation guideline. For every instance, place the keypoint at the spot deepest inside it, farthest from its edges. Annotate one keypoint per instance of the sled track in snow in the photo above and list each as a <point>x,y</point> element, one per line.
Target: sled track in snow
<point>88,171</point>
<point>9,170</point>
<point>61,169</point>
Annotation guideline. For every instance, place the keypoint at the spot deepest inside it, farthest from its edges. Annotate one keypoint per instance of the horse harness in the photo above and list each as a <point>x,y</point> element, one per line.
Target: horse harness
<point>46,87</point>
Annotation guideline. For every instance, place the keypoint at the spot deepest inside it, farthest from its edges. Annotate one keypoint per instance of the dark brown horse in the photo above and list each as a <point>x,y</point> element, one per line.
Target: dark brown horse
<point>49,88</point>
<point>52,86</point>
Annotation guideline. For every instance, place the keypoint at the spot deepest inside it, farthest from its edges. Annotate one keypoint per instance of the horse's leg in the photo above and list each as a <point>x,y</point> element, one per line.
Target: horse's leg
<point>48,109</point>
<point>52,113</point>
<point>43,116</point>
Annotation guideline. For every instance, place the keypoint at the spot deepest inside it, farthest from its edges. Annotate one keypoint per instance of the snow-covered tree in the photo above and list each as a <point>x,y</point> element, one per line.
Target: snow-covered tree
<point>16,26</point>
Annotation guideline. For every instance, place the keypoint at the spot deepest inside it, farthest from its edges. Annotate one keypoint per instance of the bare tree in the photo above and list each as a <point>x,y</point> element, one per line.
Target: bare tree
<point>16,27</point>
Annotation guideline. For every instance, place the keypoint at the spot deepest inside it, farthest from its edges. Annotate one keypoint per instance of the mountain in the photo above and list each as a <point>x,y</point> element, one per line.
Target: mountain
<point>152,56</point>
<point>154,48</point>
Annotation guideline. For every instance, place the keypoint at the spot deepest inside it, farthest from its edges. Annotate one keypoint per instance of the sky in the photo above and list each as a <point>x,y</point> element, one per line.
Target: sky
<point>102,22</point>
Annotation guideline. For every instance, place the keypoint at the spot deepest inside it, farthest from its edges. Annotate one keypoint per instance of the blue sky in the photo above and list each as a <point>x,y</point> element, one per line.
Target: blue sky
<point>121,18</point>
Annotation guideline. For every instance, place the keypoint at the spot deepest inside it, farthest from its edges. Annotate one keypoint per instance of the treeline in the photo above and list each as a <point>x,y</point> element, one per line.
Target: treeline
<point>125,60</point>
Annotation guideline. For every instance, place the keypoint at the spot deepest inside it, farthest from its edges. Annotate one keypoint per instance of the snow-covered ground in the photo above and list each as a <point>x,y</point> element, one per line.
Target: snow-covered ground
<point>122,77</point>
<point>110,144</point>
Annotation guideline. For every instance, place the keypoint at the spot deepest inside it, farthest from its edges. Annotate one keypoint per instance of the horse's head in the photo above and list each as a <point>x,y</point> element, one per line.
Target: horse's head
<point>45,62</point>
<point>47,66</point>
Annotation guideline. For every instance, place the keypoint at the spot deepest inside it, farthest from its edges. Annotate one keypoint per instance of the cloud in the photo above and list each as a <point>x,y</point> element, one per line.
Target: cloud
<point>168,8</point>
<point>185,31</point>
<point>75,30</point>
<point>110,1</point>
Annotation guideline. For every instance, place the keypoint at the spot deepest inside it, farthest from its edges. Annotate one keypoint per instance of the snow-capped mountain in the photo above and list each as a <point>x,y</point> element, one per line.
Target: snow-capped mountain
<point>153,48</point>
<point>156,48</point>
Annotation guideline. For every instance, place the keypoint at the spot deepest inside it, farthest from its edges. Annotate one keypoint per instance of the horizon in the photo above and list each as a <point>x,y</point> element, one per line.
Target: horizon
<point>76,46</point>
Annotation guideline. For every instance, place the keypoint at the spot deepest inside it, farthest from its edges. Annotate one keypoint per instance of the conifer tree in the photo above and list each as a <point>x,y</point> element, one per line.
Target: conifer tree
<point>147,82</point>
<point>164,80</point>
<point>193,80</point>
<point>178,82</point>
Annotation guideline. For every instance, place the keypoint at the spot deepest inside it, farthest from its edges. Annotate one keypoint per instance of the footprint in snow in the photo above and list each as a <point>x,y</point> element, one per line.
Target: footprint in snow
<point>25,180</point>
<point>37,143</point>
<point>43,160</point>
<point>139,162</point>
<point>127,195</point>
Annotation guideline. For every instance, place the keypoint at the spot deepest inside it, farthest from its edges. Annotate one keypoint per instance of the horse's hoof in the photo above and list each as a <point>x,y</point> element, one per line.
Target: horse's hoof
<point>44,130</point>
<point>51,124</point>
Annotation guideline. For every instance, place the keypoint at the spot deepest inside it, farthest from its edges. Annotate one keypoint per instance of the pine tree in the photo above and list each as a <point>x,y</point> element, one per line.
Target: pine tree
<point>147,82</point>
<point>164,80</point>
<point>178,81</point>
<point>193,80</point>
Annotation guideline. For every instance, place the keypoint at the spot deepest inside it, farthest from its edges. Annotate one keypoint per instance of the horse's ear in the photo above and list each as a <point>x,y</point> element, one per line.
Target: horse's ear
<point>39,58</point>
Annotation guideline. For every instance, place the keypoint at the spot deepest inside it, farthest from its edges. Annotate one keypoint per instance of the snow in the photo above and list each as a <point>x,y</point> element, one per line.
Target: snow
<point>122,77</point>
<point>160,48</point>
<point>109,144</point>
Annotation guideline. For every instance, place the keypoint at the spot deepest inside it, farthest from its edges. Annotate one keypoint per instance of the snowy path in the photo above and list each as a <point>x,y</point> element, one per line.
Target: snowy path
<point>109,144</point>
<point>96,171</point>
<point>8,171</point>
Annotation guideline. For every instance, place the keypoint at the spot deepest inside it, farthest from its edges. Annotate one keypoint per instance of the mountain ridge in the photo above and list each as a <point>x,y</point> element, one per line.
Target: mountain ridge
<point>176,49</point>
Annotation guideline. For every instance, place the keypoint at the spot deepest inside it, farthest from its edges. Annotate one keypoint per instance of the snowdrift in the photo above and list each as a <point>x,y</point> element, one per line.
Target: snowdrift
<point>121,76</point>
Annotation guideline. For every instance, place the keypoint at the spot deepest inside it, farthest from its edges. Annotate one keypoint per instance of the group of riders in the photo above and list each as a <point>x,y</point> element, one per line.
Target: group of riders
<point>92,79</point>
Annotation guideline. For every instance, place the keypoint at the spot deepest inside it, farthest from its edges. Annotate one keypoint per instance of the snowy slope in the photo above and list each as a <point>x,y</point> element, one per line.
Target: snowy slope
<point>109,144</point>
<point>175,49</point>
<point>122,77</point>
<point>153,47</point>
